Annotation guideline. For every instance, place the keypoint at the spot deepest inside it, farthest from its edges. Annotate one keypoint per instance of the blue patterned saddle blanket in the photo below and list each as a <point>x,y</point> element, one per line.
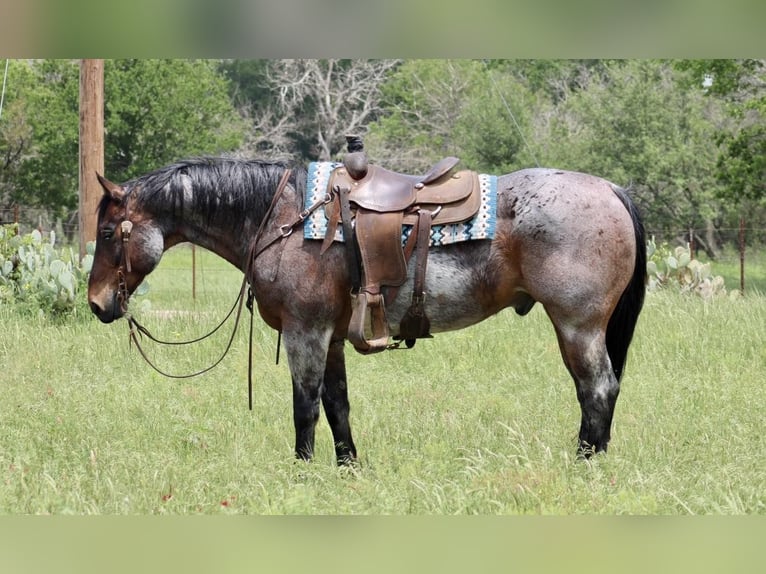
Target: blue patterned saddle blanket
<point>482,226</point>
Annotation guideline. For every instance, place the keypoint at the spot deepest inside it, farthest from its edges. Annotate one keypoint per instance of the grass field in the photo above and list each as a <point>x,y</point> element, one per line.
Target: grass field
<point>479,421</point>
<point>727,265</point>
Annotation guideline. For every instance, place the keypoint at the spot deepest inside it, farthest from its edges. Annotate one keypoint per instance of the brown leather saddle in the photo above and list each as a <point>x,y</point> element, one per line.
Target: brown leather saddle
<point>372,204</point>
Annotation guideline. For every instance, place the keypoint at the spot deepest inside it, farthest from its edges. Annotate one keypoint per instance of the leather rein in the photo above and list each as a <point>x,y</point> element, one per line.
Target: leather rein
<point>257,247</point>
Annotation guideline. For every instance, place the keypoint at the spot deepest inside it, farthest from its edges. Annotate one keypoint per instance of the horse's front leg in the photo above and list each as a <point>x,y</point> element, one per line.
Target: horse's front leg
<point>335,401</point>
<point>307,356</point>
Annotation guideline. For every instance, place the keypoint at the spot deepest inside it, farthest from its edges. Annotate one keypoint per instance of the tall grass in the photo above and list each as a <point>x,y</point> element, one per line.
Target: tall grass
<point>482,420</point>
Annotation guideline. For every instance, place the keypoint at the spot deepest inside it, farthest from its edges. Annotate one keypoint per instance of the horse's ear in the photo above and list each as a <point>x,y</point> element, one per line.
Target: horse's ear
<point>111,189</point>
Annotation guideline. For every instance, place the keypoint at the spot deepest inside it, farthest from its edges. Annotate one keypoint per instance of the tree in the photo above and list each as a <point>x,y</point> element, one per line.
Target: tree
<point>465,108</point>
<point>16,131</point>
<point>156,111</point>
<point>556,79</point>
<point>734,80</point>
<point>248,82</point>
<point>422,100</point>
<point>642,126</point>
<point>495,130</point>
<point>315,104</point>
<point>48,177</point>
<point>741,163</point>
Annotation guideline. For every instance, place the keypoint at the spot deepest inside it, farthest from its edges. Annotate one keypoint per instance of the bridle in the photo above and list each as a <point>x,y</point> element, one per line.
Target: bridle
<point>256,248</point>
<point>136,329</point>
<point>126,228</point>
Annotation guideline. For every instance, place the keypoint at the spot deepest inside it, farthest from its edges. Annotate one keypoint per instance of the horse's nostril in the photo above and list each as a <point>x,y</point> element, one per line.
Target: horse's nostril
<point>104,314</point>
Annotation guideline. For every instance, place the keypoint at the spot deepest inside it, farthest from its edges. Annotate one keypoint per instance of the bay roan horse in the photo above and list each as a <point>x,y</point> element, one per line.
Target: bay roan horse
<point>571,241</point>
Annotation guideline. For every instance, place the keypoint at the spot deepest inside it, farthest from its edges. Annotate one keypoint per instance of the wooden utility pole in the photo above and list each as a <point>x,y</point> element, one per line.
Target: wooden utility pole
<point>91,147</point>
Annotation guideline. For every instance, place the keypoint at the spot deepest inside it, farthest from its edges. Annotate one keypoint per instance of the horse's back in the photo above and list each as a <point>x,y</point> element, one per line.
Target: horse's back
<point>538,198</point>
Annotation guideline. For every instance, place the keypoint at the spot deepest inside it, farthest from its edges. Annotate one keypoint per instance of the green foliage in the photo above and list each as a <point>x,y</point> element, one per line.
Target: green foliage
<point>490,129</point>
<point>675,269</point>
<point>15,129</point>
<point>688,136</point>
<point>639,127</point>
<point>249,83</point>
<point>719,77</point>
<point>464,108</point>
<point>422,99</point>
<point>555,79</point>
<point>157,111</point>
<point>742,163</point>
<point>38,278</point>
<point>47,171</point>
<point>646,124</point>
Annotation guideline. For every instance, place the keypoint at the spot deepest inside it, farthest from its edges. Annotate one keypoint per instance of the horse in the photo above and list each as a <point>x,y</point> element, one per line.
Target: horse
<point>571,241</point>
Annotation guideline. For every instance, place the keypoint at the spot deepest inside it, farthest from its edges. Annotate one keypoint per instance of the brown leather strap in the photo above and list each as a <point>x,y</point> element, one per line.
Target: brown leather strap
<point>415,324</point>
<point>421,254</point>
<point>137,329</point>
<point>126,228</point>
<point>379,236</point>
<point>332,215</point>
<point>259,245</point>
<point>349,238</point>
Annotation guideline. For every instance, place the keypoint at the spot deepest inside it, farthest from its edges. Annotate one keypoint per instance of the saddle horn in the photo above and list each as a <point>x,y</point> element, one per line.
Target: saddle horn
<point>355,161</point>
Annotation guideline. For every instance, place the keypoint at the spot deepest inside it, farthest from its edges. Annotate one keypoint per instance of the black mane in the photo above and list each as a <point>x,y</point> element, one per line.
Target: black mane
<point>221,187</point>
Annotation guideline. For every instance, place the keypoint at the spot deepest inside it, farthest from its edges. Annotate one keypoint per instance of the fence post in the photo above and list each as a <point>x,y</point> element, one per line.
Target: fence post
<point>691,242</point>
<point>194,271</point>
<point>742,255</point>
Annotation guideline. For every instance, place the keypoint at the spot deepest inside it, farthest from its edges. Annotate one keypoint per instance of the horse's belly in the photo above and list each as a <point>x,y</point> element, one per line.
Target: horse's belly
<point>451,299</point>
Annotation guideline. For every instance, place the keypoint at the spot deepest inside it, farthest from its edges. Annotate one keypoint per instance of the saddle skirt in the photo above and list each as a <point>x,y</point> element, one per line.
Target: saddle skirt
<point>481,226</point>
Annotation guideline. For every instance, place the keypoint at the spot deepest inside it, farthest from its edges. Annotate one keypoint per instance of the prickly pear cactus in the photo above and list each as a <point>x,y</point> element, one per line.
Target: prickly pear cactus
<point>38,277</point>
<point>676,269</point>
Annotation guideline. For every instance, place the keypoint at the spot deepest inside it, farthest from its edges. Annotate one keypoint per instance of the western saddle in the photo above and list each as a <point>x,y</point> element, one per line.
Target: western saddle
<point>373,204</point>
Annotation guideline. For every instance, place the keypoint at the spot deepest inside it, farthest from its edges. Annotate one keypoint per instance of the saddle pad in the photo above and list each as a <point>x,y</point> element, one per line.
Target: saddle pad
<point>482,226</point>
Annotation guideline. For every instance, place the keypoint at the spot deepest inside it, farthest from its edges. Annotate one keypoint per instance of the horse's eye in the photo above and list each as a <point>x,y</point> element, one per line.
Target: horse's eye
<point>107,234</point>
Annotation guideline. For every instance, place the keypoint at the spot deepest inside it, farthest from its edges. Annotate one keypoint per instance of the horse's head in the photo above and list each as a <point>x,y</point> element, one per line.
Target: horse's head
<point>129,244</point>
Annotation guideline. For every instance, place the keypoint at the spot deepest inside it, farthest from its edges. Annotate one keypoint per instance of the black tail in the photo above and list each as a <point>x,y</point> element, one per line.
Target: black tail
<point>622,323</point>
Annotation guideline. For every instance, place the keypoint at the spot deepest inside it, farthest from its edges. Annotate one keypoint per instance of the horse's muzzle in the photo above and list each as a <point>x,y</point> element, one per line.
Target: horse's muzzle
<point>105,315</point>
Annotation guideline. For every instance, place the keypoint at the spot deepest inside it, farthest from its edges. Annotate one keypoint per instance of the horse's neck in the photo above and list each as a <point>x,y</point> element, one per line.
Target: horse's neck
<point>227,247</point>
<point>220,234</point>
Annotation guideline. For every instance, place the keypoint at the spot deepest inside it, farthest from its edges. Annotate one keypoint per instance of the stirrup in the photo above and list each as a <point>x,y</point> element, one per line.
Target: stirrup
<point>368,328</point>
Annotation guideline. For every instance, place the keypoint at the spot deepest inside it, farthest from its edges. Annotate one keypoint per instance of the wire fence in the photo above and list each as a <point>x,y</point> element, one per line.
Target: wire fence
<point>740,243</point>
<point>29,218</point>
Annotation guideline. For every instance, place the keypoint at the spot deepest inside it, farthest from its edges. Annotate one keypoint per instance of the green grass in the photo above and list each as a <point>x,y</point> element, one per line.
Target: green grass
<point>479,421</point>
<point>728,266</point>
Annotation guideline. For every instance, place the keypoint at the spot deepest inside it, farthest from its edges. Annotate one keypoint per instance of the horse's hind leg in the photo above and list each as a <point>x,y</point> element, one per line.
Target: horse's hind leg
<point>307,355</point>
<point>335,401</point>
<point>585,356</point>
